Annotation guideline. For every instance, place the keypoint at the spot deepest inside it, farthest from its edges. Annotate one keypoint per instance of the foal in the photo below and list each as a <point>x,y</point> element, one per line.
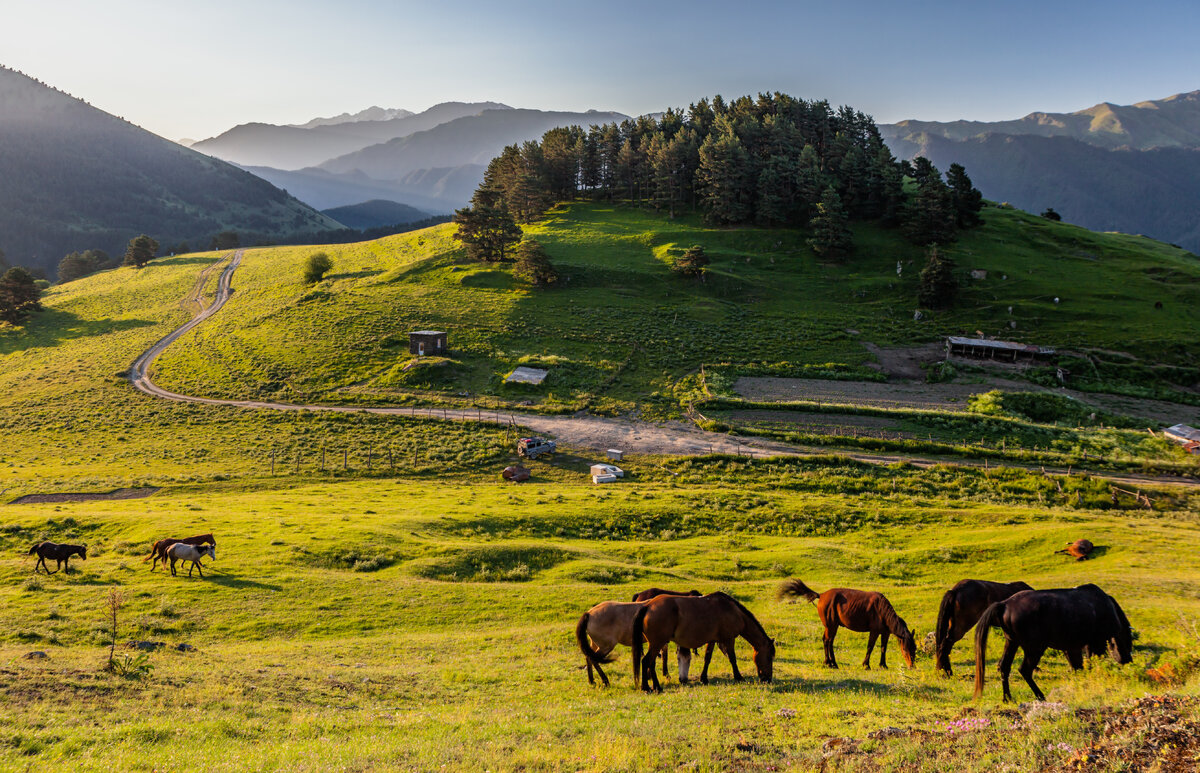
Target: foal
<point>60,553</point>
<point>861,611</point>
<point>181,551</point>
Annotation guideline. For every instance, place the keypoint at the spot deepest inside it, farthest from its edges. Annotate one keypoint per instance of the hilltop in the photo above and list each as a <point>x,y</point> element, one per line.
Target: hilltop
<point>73,177</point>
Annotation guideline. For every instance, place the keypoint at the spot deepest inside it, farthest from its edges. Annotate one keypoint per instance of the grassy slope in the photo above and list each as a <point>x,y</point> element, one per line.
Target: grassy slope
<point>623,327</point>
<point>307,664</point>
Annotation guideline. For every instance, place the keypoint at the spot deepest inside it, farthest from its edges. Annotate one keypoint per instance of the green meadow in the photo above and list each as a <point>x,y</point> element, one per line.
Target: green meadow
<point>403,608</point>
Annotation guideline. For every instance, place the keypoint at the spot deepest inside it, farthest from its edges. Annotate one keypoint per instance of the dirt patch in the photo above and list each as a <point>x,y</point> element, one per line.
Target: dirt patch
<point>905,362</point>
<point>121,493</point>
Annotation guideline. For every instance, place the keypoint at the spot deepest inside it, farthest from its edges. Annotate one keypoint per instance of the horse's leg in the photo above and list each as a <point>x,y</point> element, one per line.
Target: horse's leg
<point>664,658</point>
<point>1075,658</point>
<point>727,648</point>
<point>67,564</point>
<point>870,646</point>
<point>1005,665</point>
<point>1028,665</point>
<point>883,649</point>
<point>708,652</point>
<point>602,652</point>
<point>42,563</point>
<point>830,633</point>
<point>172,566</point>
<point>199,568</point>
<point>650,674</point>
<point>685,663</point>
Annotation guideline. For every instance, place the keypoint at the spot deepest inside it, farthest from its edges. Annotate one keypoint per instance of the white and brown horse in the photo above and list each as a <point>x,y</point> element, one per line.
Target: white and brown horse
<point>159,551</point>
<point>181,551</point>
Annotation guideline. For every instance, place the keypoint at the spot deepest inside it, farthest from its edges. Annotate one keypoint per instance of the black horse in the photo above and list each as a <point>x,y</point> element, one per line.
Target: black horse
<point>961,608</point>
<point>1069,619</point>
<point>59,553</point>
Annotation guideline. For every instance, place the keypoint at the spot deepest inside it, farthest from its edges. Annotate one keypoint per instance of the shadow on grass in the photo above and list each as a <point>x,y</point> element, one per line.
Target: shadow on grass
<point>234,581</point>
<point>52,327</point>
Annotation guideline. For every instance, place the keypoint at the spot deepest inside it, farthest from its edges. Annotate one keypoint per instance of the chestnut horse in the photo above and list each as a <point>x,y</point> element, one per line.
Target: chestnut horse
<point>961,608</point>
<point>860,611</point>
<point>1069,619</point>
<point>693,622</point>
<point>159,551</point>
<point>610,623</point>
<point>650,593</point>
<point>61,554</point>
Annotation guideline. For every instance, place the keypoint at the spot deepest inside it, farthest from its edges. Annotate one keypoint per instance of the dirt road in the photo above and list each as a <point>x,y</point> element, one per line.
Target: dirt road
<point>594,433</point>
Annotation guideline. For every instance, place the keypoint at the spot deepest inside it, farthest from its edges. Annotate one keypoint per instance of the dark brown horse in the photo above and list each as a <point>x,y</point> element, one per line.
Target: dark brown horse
<point>61,554</point>
<point>1069,619</point>
<point>961,608</point>
<point>610,623</point>
<point>693,622</point>
<point>860,611</point>
<point>651,593</point>
<point>159,551</point>
<point>1079,549</point>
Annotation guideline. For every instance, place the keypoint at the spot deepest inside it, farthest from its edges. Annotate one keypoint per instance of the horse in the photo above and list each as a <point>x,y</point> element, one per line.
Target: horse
<point>181,551</point>
<point>159,551</point>
<point>610,623</point>
<point>1079,549</point>
<point>1066,619</point>
<point>962,607</point>
<point>650,593</point>
<point>60,553</point>
<point>860,611</point>
<point>692,622</point>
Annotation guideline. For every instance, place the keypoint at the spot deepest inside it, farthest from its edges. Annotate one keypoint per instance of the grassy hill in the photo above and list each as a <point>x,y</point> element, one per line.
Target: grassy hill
<point>623,330</point>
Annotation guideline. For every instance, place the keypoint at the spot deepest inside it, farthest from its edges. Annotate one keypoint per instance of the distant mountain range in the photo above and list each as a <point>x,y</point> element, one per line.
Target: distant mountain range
<point>73,177</point>
<point>432,160</point>
<point>1132,168</point>
<point>374,214</point>
<point>370,114</point>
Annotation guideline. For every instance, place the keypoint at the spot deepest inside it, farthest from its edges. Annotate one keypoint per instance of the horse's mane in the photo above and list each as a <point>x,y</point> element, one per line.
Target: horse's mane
<point>746,612</point>
<point>892,620</point>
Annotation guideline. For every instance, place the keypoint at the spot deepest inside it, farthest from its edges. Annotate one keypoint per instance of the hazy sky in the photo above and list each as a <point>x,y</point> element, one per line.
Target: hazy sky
<point>197,69</point>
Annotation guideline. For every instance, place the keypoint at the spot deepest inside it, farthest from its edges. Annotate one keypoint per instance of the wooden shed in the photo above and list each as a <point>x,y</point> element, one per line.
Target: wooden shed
<point>422,342</point>
<point>990,349</point>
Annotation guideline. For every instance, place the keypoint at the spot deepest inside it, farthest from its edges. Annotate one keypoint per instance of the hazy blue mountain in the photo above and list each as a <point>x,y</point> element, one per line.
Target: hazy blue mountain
<point>73,177</point>
<point>375,213</point>
<point>436,191</point>
<point>296,147</point>
<point>475,139</point>
<point>1133,168</point>
<point>373,113</point>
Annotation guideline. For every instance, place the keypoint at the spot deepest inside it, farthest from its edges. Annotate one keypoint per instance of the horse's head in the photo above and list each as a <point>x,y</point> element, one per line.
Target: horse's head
<point>764,661</point>
<point>1123,638</point>
<point>908,646</point>
<point>695,593</point>
<point>212,552</point>
<point>82,552</point>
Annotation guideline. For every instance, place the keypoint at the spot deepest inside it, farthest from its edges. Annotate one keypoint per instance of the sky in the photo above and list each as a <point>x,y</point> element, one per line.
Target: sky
<point>196,69</point>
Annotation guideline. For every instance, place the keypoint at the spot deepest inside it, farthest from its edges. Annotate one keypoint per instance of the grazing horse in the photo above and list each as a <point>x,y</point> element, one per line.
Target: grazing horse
<point>860,611</point>
<point>181,551</point>
<point>61,554</point>
<point>610,623</point>
<point>159,551</point>
<point>1079,549</point>
<point>961,608</point>
<point>1067,619</point>
<point>693,622</point>
<point>649,593</point>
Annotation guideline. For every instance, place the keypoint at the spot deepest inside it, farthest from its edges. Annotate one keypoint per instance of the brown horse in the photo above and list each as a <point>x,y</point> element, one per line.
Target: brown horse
<point>61,554</point>
<point>693,622</point>
<point>159,551</point>
<point>961,608</point>
<point>860,611</point>
<point>651,593</point>
<point>610,623</point>
<point>1079,549</point>
<point>1073,620</point>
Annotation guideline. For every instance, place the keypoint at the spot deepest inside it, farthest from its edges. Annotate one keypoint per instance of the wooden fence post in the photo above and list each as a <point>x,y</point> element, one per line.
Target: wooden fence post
<point>272,461</point>
<point>345,459</point>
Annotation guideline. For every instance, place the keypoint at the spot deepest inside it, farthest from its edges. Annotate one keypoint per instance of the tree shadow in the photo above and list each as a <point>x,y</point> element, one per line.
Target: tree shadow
<point>51,327</point>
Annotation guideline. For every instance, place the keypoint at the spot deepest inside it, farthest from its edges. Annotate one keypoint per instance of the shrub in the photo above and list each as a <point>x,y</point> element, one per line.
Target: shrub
<point>316,267</point>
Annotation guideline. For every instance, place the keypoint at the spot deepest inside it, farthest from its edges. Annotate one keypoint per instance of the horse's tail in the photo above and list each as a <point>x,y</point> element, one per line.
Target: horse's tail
<point>797,588</point>
<point>639,625</point>
<point>940,634</point>
<point>990,617</point>
<point>582,637</point>
<point>153,553</point>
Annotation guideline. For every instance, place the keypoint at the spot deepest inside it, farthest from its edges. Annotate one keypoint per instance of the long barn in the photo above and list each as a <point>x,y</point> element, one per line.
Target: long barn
<point>990,349</point>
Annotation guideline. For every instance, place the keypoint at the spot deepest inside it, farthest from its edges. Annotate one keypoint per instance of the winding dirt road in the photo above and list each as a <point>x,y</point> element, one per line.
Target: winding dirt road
<point>594,433</point>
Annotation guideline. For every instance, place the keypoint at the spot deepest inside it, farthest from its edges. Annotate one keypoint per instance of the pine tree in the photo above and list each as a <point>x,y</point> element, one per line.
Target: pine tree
<point>831,227</point>
<point>811,182</point>
<point>141,250</point>
<point>486,228</point>
<point>692,263</point>
<point>938,285</point>
<point>929,215</point>
<point>19,295</point>
<point>966,198</point>
<point>533,265</point>
<point>723,177</point>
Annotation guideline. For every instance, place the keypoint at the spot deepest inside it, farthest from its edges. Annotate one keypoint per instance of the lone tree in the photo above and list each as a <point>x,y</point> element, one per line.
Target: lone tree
<point>938,285</point>
<point>694,262</point>
<point>141,250</point>
<point>226,240</point>
<point>533,265</point>
<point>19,295</point>
<point>1050,214</point>
<point>77,265</point>
<point>831,227</point>
<point>967,199</point>
<point>316,267</point>
<point>486,228</point>
<point>929,216</point>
